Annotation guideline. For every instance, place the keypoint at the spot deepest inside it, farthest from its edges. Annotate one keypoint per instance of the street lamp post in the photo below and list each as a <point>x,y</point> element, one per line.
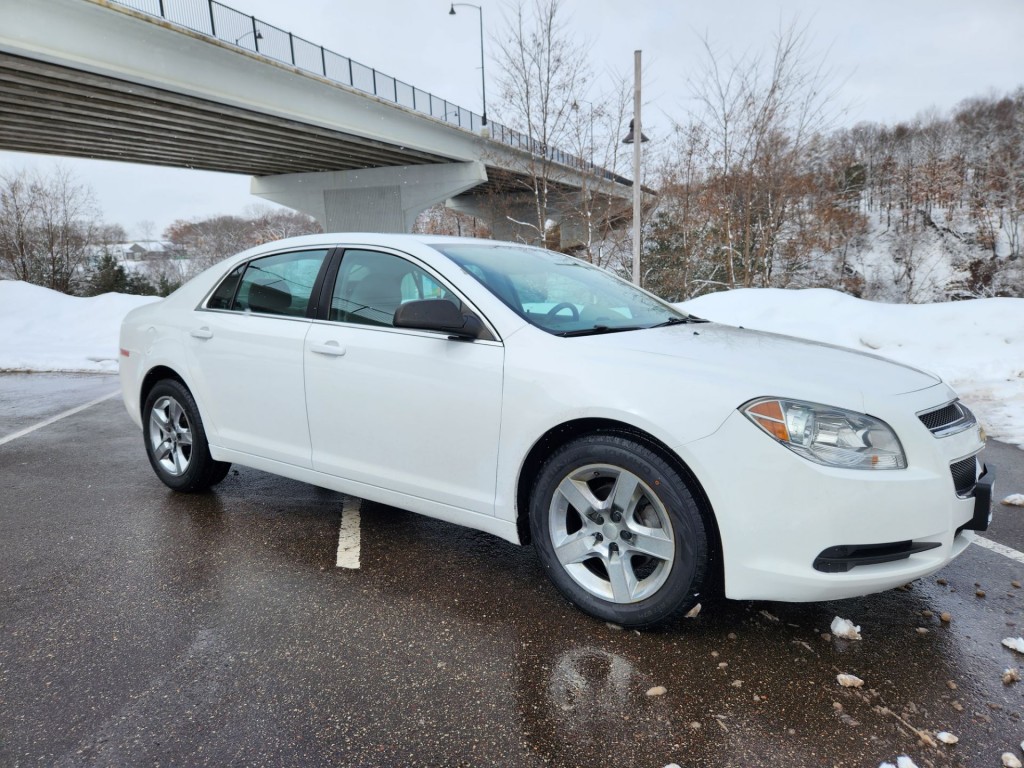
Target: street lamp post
<point>256,35</point>
<point>636,138</point>
<point>483,78</point>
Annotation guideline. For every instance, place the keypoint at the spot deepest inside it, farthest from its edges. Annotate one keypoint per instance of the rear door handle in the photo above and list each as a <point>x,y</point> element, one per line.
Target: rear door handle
<point>201,333</point>
<point>331,348</point>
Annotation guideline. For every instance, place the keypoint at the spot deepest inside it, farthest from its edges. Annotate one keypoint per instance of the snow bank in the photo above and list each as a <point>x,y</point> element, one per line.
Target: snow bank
<point>976,346</point>
<point>43,330</point>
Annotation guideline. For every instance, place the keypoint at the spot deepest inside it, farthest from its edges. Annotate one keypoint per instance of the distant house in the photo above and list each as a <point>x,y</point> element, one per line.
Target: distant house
<point>147,250</point>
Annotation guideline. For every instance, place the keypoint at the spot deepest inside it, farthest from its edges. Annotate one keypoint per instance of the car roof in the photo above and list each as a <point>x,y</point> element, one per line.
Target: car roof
<point>377,238</point>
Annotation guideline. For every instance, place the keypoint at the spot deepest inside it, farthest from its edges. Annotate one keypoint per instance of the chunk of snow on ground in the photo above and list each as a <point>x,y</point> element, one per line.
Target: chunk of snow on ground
<point>901,762</point>
<point>946,737</point>
<point>849,681</point>
<point>1014,644</point>
<point>1010,760</point>
<point>845,629</point>
<point>1014,500</point>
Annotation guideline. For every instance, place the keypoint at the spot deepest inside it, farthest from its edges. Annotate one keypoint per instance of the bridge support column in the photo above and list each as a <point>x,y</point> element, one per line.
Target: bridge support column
<point>372,199</point>
<point>511,218</point>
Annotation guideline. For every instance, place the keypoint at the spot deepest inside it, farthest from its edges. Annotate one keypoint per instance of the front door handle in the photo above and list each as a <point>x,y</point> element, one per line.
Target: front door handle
<point>201,333</point>
<point>331,348</point>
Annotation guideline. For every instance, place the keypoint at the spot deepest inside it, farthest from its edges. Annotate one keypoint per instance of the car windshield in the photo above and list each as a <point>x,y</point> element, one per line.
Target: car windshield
<point>558,293</point>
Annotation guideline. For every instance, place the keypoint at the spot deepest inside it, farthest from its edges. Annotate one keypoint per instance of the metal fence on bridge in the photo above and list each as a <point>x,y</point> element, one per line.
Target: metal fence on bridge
<point>209,17</point>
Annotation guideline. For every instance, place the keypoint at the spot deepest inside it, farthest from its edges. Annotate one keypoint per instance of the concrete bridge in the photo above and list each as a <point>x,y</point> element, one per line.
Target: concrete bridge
<point>195,84</point>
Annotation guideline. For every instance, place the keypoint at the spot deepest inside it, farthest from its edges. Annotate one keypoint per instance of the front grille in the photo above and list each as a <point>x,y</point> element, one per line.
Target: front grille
<point>948,420</point>
<point>965,475</point>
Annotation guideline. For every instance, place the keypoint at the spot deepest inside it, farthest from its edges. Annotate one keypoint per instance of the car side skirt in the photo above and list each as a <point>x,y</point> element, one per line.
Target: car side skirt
<point>488,524</point>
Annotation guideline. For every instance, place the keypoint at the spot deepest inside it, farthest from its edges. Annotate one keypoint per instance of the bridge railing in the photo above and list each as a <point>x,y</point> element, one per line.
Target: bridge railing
<point>209,17</point>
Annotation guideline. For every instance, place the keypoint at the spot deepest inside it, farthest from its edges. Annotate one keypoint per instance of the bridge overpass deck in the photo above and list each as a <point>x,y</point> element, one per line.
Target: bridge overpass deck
<point>104,80</point>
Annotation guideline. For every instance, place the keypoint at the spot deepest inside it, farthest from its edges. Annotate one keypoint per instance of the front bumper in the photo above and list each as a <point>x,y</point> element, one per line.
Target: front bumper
<point>778,513</point>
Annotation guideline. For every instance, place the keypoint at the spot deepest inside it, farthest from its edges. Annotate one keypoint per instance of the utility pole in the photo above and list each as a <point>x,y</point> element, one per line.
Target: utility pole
<point>637,185</point>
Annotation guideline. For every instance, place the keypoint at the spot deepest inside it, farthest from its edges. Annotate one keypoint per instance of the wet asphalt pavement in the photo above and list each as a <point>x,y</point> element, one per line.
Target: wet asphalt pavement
<point>139,627</point>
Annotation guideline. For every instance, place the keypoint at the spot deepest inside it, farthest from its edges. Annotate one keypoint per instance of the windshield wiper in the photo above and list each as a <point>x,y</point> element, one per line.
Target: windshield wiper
<point>680,321</point>
<point>599,329</point>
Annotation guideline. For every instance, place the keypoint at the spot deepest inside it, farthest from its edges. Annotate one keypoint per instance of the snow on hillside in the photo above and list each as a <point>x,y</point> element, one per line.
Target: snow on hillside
<point>43,330</point>
<point>976,346</point>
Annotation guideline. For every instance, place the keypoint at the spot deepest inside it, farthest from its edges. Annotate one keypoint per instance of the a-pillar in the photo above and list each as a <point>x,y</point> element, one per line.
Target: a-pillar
<point>371,199</point>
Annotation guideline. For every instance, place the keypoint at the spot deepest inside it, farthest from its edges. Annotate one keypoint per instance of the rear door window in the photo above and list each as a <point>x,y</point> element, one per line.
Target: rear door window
<point>281,284</point>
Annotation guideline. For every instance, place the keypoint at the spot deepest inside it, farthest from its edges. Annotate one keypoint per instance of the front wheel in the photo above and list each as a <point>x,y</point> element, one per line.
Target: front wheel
<point>618,531</point>
<point>176,440</point>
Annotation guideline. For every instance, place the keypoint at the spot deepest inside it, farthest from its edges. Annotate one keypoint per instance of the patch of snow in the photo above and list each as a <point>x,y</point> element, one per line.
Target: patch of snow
<point>1014,500</point>
<point>845,629</point>
<point>43,330</point>
<point>1014,643</point>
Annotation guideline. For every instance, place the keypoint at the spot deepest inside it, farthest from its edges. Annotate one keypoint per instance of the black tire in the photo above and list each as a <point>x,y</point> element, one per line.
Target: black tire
<point>176,440</point>
<point>655,569</point>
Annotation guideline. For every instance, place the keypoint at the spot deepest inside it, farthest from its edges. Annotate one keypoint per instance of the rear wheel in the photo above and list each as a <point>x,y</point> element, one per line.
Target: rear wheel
<point>618,531</point>
<point>176,440</point>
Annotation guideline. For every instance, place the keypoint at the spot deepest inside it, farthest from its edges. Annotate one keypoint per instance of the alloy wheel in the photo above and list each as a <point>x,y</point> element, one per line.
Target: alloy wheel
<point>611,533</point>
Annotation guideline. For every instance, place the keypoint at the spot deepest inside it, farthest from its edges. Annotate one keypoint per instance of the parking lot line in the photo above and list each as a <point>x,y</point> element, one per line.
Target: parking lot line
<point>1001,549</point>
<point>58,417</point>
<point>348,535</point>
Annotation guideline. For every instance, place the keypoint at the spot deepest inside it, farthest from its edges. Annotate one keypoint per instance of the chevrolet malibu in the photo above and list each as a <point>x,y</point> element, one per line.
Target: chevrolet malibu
<point>644,452</point>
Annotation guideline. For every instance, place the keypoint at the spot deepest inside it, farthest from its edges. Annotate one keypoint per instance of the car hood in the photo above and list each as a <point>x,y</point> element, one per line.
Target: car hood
<point>777,365</point>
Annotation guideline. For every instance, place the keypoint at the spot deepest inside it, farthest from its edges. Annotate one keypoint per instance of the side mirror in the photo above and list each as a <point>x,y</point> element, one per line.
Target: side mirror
<point>436,315</point>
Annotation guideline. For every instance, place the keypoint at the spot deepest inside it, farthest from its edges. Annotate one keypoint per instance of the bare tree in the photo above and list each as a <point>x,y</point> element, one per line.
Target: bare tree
<point>681,230</point>
<point>596,211</point>
<point>543,72</point>
<point>761,121</point>
<point>146,229</point>
<point>440,220</point>
<point>48,225</point>
<point>278,223</point>
<point>207,241</point>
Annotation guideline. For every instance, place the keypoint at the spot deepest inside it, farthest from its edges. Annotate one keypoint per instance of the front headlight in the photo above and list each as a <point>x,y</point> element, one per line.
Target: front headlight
<point>831,436</point>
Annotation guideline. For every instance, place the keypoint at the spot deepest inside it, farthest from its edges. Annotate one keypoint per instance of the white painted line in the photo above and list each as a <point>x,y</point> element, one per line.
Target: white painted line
<point>998,548</point>
<point>348,536</point>
<point>58,417</point>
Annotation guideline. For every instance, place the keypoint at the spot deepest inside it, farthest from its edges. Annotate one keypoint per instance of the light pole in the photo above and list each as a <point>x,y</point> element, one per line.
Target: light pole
<point>256,36</point>
<point>636,138</point>
<point>483,78</point>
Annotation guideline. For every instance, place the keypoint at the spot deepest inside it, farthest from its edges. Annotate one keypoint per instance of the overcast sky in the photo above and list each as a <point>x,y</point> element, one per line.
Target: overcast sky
<point>892,60</point>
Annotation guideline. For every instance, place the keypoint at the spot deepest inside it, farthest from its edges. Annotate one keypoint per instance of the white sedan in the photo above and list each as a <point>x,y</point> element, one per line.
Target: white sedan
<point>645,453</point>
